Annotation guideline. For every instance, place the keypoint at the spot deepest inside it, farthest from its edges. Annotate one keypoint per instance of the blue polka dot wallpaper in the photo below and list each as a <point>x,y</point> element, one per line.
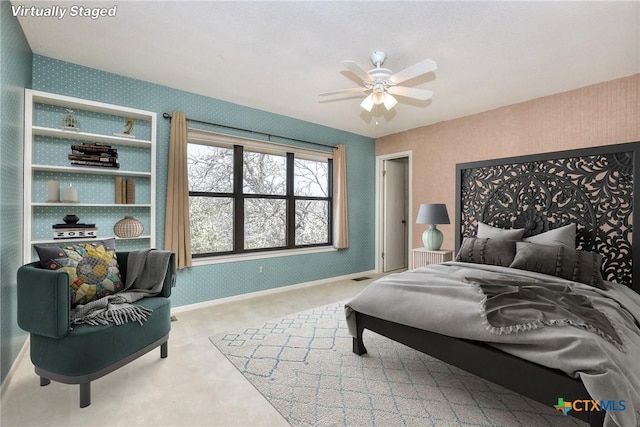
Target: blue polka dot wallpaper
<point>15,75</point>
<point>209,282</point>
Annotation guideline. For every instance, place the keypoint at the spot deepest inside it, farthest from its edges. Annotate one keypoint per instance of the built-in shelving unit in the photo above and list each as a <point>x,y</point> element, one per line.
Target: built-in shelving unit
<point>45,158</point>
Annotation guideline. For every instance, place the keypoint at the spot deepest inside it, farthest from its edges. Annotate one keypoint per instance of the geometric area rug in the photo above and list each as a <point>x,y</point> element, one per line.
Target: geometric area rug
<point>304,366</point>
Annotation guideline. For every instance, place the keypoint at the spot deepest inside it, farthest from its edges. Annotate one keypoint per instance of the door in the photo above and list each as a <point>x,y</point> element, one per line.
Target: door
<point>395,247</point>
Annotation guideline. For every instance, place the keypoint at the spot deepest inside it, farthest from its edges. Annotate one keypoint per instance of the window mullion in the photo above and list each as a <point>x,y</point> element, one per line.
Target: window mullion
<point>330,194</point>
<point>291,203</point>
<point>238,200</point>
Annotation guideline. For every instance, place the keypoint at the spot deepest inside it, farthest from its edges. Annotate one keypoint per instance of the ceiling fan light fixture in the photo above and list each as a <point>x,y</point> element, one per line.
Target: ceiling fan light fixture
<point>378,97</point>
<point>389,101</point>
<point>383,83</point>
<point>368,103</point>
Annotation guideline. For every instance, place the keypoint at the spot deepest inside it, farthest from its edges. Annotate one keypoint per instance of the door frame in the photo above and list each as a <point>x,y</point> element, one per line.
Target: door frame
<point>379,224</point>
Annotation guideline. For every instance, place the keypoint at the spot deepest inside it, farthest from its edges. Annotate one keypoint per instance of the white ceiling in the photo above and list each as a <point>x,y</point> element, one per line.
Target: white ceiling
<point>278,56</point>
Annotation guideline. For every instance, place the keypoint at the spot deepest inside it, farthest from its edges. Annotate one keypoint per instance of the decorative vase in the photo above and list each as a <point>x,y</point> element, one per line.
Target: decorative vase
<point>128,227</point>
<point>71,219</point>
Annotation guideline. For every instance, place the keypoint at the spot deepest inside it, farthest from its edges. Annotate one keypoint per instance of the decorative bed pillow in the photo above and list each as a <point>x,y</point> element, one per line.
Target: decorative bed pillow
<point>560,261</point>
<point>487,251</point>
<point>488,232</point>
<point>92,267</point>
<point>565,236</point>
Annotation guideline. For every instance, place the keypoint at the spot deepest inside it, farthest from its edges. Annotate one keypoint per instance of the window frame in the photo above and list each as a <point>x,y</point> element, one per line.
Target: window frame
<point>291,153</point>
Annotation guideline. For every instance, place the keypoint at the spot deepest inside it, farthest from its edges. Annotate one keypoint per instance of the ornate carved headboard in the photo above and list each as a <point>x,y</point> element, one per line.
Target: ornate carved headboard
<point>591,187</point>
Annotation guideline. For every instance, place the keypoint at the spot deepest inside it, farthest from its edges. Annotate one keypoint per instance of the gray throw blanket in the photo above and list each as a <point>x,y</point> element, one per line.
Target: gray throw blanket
<point>510,307</point>
<point>146,271</point>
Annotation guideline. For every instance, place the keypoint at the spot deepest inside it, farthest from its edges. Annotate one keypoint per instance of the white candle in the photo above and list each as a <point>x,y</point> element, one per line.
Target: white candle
<point>70,195</point>
<point>53,191</point>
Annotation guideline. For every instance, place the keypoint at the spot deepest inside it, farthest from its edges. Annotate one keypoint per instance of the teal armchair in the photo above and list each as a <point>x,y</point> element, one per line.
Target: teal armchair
<point>84,353</point>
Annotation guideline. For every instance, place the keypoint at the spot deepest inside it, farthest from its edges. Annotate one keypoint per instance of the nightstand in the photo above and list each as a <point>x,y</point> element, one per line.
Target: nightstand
<point>422,256</point>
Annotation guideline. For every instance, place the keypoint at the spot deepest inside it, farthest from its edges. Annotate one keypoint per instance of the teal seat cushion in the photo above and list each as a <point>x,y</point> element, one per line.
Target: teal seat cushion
<point>87,349</point>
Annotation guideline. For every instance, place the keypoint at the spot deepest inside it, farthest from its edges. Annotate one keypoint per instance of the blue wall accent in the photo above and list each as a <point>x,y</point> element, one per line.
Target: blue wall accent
<point>204,283</point>
<point>15,75</point>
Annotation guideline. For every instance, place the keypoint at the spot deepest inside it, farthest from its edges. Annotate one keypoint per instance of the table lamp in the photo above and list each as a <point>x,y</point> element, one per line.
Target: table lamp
<point>432,214</point>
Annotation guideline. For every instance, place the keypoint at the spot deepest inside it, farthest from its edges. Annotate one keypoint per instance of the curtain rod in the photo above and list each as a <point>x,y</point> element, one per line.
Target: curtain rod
<point>168,116</point>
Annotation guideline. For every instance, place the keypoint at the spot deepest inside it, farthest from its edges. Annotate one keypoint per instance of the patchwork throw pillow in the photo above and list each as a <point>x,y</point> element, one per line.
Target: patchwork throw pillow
<point>560,261</point>
<point>92,268</point>
<point>487,251</point>
<point>486,231</point>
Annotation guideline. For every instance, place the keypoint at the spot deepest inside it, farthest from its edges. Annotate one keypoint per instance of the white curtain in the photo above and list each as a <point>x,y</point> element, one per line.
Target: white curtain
<point>340,211</point>
<point>177,229</point>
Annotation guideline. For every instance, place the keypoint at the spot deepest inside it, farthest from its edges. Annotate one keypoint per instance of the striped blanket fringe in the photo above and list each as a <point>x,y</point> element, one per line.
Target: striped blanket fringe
<point>109,309</point>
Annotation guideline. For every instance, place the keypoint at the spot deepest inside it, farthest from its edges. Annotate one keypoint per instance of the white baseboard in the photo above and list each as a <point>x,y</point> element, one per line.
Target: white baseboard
<point>241,297</point>
<point>14,366</point>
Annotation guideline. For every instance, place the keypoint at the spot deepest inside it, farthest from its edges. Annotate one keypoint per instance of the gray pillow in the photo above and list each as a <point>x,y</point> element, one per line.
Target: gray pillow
<point>487,251</point>
<point>565,236</point>
<point>560,261</point>
<point>486,231</point>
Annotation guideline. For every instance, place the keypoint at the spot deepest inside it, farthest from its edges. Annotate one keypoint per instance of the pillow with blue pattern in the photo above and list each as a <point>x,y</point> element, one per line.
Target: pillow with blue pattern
<point>92,268</point>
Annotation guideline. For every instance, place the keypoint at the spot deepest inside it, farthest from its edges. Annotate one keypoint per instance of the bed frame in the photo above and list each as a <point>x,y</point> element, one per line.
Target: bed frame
<point>592,187</point>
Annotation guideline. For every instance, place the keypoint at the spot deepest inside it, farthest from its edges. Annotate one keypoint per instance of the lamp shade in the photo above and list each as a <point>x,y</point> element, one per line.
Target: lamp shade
<point>389,101</point>
<point>433,213</point>
<point>367,103</point>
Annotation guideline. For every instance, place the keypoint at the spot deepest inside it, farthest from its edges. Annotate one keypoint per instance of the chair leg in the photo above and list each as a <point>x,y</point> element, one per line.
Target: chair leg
<point>85,394</point>
<point>164,349</point>
<point>44,381</point>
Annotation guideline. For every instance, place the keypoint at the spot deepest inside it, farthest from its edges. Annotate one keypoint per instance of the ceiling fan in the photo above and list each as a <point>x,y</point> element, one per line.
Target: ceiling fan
<point>382,84</point>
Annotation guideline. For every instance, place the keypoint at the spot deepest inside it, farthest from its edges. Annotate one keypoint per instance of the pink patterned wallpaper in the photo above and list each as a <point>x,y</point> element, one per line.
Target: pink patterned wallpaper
<point>601,114</point>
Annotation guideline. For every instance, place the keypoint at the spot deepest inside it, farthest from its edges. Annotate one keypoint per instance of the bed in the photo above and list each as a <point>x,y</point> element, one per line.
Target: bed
<point>583,349</point>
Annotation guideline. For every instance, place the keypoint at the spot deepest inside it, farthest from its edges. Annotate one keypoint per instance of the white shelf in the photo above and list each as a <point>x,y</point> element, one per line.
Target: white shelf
<point>35,212</point>
<point>85,169</point>
<point>92,137</point>
<point>87,105</point>
<point>84,239</point>
<point>95,205</point>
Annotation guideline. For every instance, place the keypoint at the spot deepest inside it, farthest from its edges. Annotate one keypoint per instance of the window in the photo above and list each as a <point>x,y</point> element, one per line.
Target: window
<point>247,196</point>
<point>311,186</point>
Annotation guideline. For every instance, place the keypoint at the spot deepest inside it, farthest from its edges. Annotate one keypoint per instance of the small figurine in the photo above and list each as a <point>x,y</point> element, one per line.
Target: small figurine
<point>128,126</point>
<point>70,122</point>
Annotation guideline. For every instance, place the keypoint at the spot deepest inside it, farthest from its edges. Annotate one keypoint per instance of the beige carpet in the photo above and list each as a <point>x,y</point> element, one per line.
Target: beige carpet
<point>304,366</point>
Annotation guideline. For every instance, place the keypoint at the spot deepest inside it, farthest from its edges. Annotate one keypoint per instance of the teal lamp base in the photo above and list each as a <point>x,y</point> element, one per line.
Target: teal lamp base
<point>432,238</point>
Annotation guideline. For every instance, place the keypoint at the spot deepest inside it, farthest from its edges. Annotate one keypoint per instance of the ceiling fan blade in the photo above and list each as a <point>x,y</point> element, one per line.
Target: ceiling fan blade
<point>357,70</point>
<point>422,67</point>
<point>338,92</point>
<point>410,92</point>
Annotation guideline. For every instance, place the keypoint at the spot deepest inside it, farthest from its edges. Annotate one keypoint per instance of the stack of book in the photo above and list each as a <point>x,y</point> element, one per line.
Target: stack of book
<point>94,154</point>
<point>74,231</point>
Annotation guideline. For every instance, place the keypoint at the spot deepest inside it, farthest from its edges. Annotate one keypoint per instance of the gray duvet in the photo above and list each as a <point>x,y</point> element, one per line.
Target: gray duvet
<point>592,335</point>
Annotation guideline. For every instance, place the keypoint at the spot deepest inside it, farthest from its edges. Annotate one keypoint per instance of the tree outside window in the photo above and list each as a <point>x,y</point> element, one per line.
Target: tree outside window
<point>283,202</point>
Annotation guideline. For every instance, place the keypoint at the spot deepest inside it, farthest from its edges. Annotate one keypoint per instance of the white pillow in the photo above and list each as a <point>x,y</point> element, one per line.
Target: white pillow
<point>488,232</point>
<point>565,236</point>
